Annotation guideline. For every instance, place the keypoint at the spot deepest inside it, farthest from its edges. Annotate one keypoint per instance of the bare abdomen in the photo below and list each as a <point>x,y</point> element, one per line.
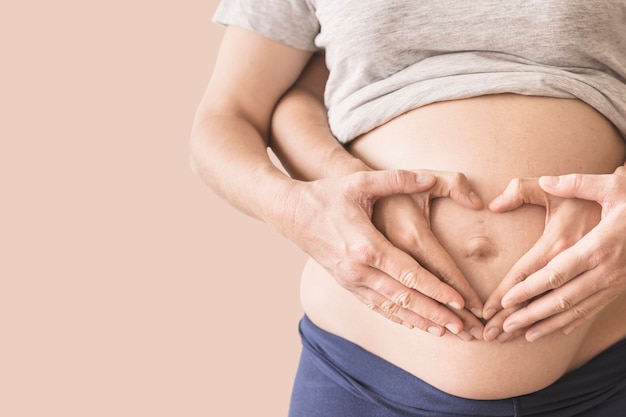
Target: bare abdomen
<point>490,139</point>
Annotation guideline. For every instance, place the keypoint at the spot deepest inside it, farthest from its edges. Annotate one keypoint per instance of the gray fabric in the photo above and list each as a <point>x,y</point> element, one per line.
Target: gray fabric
<point>389,56</point>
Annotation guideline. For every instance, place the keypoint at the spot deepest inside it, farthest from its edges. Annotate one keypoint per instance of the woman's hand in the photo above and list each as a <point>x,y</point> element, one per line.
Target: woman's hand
<point>331,220</point>
<point>405,221</point>
<point>579,264</point>
<point>567,221</point>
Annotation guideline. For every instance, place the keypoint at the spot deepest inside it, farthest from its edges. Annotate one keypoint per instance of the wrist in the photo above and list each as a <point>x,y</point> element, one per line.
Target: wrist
<point>273,193</point>
<point>339,162</point>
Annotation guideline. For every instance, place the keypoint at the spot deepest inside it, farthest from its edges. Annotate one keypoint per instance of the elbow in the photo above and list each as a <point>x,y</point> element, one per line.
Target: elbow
<point>193,165</point>
<point>194,152</point>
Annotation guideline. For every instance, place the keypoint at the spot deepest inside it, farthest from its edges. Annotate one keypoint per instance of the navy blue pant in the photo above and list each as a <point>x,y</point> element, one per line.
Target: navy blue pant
<point>337,378</point>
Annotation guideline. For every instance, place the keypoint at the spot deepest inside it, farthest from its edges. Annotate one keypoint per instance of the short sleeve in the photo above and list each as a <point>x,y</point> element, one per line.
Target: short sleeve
<point>292,22</point>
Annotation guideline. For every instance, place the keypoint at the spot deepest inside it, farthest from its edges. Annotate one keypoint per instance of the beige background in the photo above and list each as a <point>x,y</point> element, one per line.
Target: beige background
<point>126,287</point>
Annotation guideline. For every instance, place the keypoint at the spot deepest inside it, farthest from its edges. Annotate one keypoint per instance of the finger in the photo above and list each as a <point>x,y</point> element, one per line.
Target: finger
<point>456,186</point>
<point>402,315</point>
<point>533,260</point>
<point>519,191</point>
<point>494,329</point>
<point>585,186</point>
<point>389,182</point>
<point>403,268</point>
<point>561,269</point>
<point>567,298</point>
<point>471,324</point>
<point>570,319</point>
<point>383,306</point>
<point>399,296</point>
<point>429,252</point>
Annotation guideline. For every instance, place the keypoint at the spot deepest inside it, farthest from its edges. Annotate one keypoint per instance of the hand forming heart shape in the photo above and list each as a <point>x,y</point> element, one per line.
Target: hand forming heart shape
<point>539,294</point>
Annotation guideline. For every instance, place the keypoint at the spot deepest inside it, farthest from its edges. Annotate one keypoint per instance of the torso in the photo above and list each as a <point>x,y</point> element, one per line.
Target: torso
<point>491,139</point>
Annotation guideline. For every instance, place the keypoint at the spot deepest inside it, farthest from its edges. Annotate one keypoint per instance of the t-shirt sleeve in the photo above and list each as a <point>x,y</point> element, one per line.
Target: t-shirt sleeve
<point>292,22</point>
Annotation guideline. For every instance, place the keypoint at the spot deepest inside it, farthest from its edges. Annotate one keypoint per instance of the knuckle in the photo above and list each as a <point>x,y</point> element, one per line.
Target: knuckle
<point>435,316</point>
<point>395,177</point>
<point>576,180</point>
<point>404,238</point>
<point>409,279</point>
<point>598,255</point>
<point>560,245</point>
<point>564,303</point>
<point>363,254</point>
<point>353,278</point>
<point>458,178</point>
<point>356,179</point>
<point>389,307</point>
<point>518,277</point>
<point>404,299</point>
<point>521,277</point>
<point>555,279</point>
<point>580,312</point>
<point>357,183</point>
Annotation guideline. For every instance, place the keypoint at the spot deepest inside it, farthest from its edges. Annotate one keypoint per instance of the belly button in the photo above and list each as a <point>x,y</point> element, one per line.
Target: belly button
<point>480,248</point>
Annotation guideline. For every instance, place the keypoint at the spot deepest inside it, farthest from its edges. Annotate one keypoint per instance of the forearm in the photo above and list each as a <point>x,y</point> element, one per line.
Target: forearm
<point>301,136</point>
<point>231,157</point>
<point>229,137</point>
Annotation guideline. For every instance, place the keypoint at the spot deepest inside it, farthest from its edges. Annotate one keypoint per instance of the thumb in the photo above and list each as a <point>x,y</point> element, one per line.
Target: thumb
<point>585,186</point>
<point>519,191</point>
<point>389,182</point>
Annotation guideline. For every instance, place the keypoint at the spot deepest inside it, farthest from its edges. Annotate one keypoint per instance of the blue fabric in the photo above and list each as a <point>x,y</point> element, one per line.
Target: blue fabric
<point>338,378</point>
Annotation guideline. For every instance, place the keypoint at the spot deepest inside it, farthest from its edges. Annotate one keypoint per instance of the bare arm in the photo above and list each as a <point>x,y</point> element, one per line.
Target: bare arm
<point>230,133</point>
<point>301,136</point>
<point>229,151</point>
<point>302,139</point>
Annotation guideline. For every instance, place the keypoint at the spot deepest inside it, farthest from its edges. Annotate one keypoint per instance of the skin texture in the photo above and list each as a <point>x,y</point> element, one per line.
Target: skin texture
<point>352,216</point>
<point>491,142</point>
<point>330,219</point>
<point>567,221</point>
<point>575,270</point>
<point>302,140</point>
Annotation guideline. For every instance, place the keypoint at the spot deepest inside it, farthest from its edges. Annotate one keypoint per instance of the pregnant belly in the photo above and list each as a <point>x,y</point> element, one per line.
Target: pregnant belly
<point>491,139</point>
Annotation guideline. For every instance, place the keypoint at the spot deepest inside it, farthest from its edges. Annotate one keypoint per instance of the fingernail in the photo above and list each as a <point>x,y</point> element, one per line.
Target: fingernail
<point>435,331</point>
<point>453,328</point>
<point>508,302</point>
<point>489,313</point>
<point>533,335</point>
<point>477,312</point>
<point>477,333</point>
<point>423,178</point>
<point>496,201</point>
<point>465,336</point>
<point>503,337</point>
<point>549,180</point>
<point>407,325</point>
<point>492,334</point>
<point>511,326</point>
<point>455,305</point>
<point>567,330</point>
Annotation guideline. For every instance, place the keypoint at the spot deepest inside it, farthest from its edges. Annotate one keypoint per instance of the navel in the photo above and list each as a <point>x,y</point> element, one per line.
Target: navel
<point>480,248</point>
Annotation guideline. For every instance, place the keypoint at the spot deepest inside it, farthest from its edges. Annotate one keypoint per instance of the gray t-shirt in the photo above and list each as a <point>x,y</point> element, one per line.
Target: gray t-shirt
<point>389,56</point>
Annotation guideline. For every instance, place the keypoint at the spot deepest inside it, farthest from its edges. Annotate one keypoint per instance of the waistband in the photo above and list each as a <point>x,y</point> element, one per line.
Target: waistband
<point>379,381</point>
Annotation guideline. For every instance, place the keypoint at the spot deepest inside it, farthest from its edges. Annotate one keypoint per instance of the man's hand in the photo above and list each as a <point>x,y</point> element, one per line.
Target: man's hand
<point>331,220</point>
